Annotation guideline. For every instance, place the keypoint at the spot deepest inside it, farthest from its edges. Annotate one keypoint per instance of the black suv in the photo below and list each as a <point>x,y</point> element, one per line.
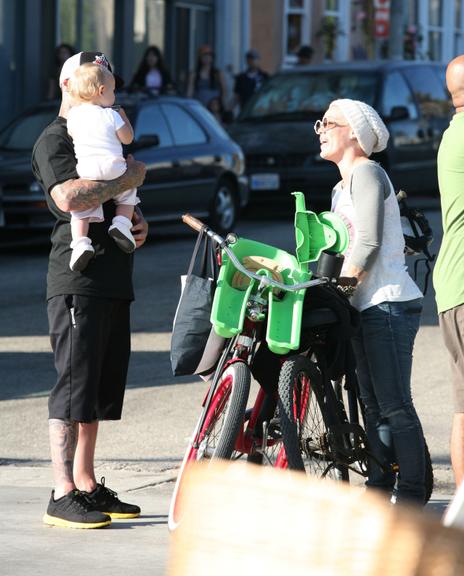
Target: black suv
<point>275,130</point>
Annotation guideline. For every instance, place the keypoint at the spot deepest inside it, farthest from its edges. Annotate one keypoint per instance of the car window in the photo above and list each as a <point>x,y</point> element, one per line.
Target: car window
<point>428,91</point>
<point>23,132</point>
<point>310,93</point>
<point>185,129</point>
<point>150,120</point>
<point>396,92</point>
<point>210,121</point>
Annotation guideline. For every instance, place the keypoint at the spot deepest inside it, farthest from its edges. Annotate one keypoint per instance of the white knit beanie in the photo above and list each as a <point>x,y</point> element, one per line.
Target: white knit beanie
<point>368,127</point>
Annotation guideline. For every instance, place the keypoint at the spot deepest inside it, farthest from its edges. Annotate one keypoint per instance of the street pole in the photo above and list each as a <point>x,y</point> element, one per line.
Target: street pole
<point>395,43</point>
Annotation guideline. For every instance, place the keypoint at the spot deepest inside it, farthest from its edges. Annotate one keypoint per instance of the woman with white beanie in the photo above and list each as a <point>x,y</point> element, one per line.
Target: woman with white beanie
<point>389,301</point>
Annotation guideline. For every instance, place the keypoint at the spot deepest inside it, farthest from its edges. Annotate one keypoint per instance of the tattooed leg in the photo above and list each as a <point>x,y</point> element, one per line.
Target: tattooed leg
<point>63,441</point>
<point>84,474</point>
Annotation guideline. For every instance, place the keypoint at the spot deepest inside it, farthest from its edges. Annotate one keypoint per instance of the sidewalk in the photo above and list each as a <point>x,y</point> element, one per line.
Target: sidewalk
<point>28,547</point>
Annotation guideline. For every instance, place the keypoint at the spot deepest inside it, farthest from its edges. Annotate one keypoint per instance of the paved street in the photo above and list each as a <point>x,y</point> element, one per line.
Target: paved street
<point>139,455</point>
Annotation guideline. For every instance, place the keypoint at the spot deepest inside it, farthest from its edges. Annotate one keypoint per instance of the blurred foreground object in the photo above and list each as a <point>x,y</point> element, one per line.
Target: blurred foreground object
<point>242,520</point>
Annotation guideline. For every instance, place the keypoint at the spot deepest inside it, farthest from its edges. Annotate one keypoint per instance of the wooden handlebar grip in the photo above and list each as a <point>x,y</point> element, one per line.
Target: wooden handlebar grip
<point>193,222</point>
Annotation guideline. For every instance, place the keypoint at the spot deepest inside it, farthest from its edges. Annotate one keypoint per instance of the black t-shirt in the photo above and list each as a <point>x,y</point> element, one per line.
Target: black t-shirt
<point>247,83</point>
<point>109,274</point>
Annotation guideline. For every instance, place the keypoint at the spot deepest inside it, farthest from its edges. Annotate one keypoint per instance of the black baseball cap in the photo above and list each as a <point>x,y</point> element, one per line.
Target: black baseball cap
<point>73,63</point>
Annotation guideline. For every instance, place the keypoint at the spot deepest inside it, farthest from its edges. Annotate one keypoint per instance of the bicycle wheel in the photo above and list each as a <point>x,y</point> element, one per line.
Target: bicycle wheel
<point>215,434</point>
<point>303,421</point>
<point>429,480</point>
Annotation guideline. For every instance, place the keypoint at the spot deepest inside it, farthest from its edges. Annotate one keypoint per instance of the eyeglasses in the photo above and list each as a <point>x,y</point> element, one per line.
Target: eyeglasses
<point>326,124</point>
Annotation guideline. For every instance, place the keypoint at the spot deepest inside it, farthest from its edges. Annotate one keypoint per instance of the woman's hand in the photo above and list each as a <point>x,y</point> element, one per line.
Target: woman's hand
<point>139,227</point>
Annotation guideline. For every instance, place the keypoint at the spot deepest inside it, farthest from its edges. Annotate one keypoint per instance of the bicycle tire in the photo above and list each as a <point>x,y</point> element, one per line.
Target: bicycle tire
<point>429,479</point>
<point>303,421</point>
<point>227,406</point>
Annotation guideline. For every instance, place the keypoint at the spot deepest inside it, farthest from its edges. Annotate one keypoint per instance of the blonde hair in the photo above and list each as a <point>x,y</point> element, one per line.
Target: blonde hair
<point>86,80</point>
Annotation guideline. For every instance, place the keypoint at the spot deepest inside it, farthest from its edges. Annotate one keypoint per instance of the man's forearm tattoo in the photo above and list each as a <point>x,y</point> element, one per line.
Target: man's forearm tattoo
<point>84,194</point>
<point>63,442</point>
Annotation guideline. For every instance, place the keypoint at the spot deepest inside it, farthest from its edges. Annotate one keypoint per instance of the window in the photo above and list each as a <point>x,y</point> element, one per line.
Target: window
<point>149,17</point>
<point>86,25</point>
<point>296,27</point>
<point>458,40</point>
<point>295,95</point>
<point>429,92</point>
<point>22,134</point>
<point>435,29</point>
<point>210,121</point>
<point>184,128</point>
<point>396,93</point>
<point>151,121</point>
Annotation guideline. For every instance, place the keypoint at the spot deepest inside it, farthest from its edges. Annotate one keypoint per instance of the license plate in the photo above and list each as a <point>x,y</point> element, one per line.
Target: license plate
<point>265,182</point>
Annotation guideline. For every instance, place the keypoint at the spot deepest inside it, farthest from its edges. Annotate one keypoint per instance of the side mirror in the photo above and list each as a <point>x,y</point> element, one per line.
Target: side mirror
<point>145,141</point>
<point>399,113</point>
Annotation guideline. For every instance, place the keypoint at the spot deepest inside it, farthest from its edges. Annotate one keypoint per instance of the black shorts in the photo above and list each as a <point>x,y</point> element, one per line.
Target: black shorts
<point>90,338</point>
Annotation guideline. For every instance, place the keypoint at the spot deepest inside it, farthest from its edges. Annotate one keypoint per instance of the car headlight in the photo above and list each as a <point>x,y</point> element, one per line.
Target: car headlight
<point>238,163</point>
<point>35,188</point>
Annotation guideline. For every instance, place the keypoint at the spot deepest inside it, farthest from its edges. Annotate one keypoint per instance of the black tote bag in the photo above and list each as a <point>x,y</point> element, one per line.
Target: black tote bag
<point>195,347</point>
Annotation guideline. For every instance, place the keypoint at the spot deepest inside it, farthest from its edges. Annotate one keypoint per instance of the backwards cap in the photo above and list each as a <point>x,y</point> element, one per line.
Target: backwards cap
<point>73,63</point>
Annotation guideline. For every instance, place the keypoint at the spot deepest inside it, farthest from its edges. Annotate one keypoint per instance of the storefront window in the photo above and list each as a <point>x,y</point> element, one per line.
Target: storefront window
<point>86,25</point>
<point>149,18</point>
<point>296,27</point>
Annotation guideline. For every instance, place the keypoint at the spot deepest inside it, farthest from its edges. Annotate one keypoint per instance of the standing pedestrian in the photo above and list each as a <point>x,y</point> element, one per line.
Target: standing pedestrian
<point>206,81</point>
<point>152,74</point>
<point>62,53</point>
<point>304,55</point>
<point>88,321</point>
<point>448,275</point>
<point>249,81</point>
<point>389,301</point>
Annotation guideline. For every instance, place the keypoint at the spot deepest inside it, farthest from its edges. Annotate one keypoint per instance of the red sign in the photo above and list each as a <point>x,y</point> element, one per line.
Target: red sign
<point>382,18</point>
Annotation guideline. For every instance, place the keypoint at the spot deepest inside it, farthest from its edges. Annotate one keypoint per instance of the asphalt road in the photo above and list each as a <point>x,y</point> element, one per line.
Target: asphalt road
<point>145,448</point>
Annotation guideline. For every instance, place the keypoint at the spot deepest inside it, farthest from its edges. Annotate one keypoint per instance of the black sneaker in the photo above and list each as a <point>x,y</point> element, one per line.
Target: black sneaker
<point>106,501</point>
<point>74,510</point>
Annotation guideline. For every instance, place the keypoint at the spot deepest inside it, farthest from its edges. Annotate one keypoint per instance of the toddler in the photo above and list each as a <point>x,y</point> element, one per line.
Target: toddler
<point>98,132</point>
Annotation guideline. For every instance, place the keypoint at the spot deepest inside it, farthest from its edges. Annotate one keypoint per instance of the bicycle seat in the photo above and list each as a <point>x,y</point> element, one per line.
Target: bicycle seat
<point>318,317</point>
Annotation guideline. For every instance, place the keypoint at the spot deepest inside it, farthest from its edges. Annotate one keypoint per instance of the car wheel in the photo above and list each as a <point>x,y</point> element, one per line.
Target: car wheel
<point>223,213</point>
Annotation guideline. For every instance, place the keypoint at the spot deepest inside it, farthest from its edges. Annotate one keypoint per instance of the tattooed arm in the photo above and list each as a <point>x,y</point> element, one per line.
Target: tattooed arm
<point>80,194</point>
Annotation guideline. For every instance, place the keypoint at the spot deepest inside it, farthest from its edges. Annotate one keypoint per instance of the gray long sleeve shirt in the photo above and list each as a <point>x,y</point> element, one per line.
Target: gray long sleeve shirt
<point>370,187</point>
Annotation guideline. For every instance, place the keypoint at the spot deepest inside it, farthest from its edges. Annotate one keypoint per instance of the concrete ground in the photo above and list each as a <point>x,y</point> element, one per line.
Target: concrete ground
<point>138,456</point>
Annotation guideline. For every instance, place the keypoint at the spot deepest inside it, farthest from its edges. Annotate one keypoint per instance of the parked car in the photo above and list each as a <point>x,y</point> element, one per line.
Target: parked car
<point>275,129</point>
<point>192,165</point>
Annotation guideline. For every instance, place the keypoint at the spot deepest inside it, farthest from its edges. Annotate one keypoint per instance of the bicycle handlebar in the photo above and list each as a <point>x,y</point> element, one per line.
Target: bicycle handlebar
<point>193,222</point>
<point>198,225</point>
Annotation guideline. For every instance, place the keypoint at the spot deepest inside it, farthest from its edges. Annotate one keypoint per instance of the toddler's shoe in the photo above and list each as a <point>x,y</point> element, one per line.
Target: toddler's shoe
<point>82,253</point>
<point>120,231</point>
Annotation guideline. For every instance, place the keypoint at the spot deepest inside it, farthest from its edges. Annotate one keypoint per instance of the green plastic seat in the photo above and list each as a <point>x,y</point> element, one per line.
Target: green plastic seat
<point>313,235</point>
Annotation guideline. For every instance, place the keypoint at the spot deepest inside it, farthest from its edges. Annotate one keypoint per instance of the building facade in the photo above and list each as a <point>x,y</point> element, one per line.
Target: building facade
<point>336,29</point>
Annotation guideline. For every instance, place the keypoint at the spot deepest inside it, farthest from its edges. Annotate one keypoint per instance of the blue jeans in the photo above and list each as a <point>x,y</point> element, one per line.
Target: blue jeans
<point>383,350</point>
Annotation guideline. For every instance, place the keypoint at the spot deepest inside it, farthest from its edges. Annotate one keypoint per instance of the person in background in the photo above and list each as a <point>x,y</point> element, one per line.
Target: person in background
<point>448,274</point>
<point>206,81</point>
<point>304,55</point>
<point>249,81</point>
<point>152,75</point>
<point>215,107</point>
<point>388,300</point>
<point>62,53</point>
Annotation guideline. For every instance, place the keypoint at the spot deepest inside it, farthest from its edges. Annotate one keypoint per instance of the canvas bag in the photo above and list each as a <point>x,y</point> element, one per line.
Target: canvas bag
<point>195,347</point>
